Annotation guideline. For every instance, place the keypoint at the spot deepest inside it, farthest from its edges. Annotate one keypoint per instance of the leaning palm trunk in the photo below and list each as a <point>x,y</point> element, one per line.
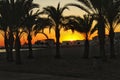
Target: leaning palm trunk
<point>111,36</point>
<point>86,49</point>
<point>17,49</point>
<point>29,38</point>
<point>57,34</point>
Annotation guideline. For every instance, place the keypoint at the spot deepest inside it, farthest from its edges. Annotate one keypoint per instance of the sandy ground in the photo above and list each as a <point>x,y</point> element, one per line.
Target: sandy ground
<point>70,67</point>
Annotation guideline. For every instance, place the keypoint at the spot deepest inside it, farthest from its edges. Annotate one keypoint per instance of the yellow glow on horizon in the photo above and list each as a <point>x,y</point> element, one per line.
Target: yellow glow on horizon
<point>64,36</point>
<point>71,36</point>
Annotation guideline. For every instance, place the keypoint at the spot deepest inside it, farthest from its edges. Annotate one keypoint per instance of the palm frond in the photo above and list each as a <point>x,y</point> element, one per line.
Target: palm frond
<point>94,29</point>
<point>58,7</point>
<point>62,9</point>
<point>88,4</point>
<point>79,6</point>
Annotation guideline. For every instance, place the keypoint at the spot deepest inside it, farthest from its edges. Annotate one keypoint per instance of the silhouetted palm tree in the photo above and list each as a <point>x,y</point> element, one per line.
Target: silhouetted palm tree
<point>86,24</point>
<point>41,24</point>
<point>29,22</point>
<point>95,7</point>
<point>4,27</point>
<point>14,12</point>
<point>55,14</point>
<point>111,10</point>
<point>34,24</point>
<point>98,5</point>
<point>22,9</point>
<point>6,15</point>
<point>82,25</point>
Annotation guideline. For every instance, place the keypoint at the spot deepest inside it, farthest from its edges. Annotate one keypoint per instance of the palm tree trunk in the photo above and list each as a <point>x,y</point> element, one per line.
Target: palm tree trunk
<point>57,35</point>
<point>86,49</point>
<point>11,42</point>
<point>17,49</point>
<point>30,55</point>
<point>6,46</point>
<point>102,47</point>
<point>101,36</point>
<point>111,36</point>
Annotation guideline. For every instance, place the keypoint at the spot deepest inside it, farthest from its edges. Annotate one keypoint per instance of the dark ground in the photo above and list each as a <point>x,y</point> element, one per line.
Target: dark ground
<point>71,65</point>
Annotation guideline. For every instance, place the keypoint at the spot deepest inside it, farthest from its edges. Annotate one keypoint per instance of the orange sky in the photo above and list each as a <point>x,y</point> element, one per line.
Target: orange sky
<point>65,36</point>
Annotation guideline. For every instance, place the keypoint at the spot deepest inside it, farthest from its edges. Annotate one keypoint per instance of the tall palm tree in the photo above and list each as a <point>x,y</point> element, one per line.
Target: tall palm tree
<point>33,25</point>
<point>22,9</point>
<point>95,7</point>
<point>14,12</point>
<point>6,14</point>
<point>3,27</point>
<point>55,14</point>
<point>98,5</point>
<point>111,10</point>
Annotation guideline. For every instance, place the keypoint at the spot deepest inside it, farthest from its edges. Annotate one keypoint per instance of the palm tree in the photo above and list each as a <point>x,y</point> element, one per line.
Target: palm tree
<point>6,14</point>
<point>86,24</point>
<point>41,24</point>
<point>3,27</point>
<point>111,10</point>
<point>94,7</point>
<point>98,5</point>
<point>55,14</point>
<point>111,16</point>
<point>14,12</point>
<point>22,9</point>
<point>82,25</point>
<point>29,22</point>
<point>34,24</point>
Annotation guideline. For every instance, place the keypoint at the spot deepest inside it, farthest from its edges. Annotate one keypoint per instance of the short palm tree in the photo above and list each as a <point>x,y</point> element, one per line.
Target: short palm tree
<point>86,24</point>
<point>29,22</point>
<point>55,15</point>
<point>41,24</point>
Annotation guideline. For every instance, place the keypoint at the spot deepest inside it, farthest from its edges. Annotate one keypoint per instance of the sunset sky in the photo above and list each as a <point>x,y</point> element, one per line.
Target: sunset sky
<point>65,35</point>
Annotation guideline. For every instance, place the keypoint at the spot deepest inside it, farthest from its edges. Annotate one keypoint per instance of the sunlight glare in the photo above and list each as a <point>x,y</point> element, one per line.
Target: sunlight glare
<point>72,36</point>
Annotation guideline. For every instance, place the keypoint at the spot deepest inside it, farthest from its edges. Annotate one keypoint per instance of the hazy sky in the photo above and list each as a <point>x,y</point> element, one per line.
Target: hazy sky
<point>72,11</point>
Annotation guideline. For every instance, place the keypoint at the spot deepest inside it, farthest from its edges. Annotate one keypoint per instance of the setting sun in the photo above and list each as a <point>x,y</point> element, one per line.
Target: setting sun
<point>70,36</point>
